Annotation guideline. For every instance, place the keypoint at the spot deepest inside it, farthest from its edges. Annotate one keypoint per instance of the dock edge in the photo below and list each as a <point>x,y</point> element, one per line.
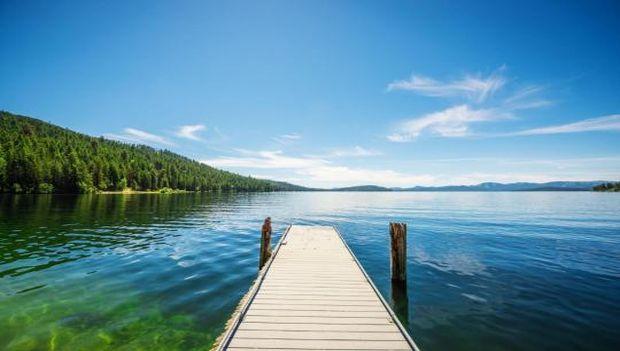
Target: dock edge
<point>233,323</point>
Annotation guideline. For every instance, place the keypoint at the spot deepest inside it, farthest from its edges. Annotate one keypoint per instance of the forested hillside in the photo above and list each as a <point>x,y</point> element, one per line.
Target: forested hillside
<point>38,157</point>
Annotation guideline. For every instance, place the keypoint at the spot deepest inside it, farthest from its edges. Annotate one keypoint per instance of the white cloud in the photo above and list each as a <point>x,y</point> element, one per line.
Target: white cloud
<point>526,98</point>
<point>322,173</point>
<point>314,171</point>
<point>561,163</point>
<point>483,177</point>
<point>287,138</point>
<point>605,123</point>
<point>189,131</point>
<point>523,93</point>
<point>136,136</point>
<point>345,176</point>
<point>455,121</point>
<point>265,159</point>
<point>144,136</point>
<point>356,151</point>
<point>473,87</point>
<point>292,136</point>
<point>451,122</point>
<point>527,169</point>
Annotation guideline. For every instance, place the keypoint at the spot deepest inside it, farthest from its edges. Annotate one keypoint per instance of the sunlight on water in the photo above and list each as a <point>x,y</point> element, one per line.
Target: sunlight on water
<point>517,271</point>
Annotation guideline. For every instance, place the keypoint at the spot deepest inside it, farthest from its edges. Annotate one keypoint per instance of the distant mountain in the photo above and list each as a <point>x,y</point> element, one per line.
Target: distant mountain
<point>488,186</point>
<point>362,188</point>
<point>522,186</point>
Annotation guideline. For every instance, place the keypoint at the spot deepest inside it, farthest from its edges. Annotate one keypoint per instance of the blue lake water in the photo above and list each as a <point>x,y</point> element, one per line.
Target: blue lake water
<point>486,271</point>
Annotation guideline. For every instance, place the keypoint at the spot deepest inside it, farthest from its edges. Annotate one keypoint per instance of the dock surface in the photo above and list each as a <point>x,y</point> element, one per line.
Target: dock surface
<point>314,295</point>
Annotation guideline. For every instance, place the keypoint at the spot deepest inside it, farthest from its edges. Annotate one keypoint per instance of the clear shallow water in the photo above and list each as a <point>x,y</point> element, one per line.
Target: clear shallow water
<point>492,271</point>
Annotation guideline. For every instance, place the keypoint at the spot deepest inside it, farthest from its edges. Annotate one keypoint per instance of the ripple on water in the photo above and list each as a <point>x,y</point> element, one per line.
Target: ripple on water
<point>148,271</point>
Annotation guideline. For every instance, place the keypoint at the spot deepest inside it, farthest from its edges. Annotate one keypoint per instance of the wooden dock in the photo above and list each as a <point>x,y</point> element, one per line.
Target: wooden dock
<point>314,295</point>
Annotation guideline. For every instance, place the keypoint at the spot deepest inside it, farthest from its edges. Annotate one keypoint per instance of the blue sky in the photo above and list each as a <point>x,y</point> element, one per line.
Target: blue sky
<point>331,93</point>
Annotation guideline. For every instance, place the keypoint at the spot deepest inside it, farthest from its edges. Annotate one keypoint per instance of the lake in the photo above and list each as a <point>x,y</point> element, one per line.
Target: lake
<point>486,271</point>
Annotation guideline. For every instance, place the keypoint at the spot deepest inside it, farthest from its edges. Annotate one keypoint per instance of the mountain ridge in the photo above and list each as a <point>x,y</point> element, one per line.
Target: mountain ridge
<point>516,186</point>
<point>485,186</point>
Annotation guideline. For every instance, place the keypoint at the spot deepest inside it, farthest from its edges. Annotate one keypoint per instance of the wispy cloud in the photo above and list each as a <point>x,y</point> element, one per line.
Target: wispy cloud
<point>451,122</point>
<point>356,151</point>
<point>137,136</point>
<point>314,171</point>
<point>264,160</point>
<point>605,123</point>
<point>473,87</point>
<point>346,176</point>
<point>322,172</point>
<point>456,121</point>
<point>560,163</point>
<point>287,138</point>
<point>523,93</point>
<point>526,98</point>
<point>190,131</point>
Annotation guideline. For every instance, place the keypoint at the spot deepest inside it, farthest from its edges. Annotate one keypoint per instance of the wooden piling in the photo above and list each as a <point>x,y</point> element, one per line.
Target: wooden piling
<point>400,301</point>
<point>398,262</point>
<point>265,243</point>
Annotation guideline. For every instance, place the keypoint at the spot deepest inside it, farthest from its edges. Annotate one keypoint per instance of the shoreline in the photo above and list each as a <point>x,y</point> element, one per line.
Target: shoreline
<point>131,191</point>
<point>136,192</point>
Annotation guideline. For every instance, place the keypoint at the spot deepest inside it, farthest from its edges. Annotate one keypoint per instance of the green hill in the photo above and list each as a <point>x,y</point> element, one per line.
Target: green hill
<point>38,157</point>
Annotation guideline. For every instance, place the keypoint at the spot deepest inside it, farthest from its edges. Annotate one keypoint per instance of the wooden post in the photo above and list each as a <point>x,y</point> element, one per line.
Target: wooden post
<point>265,243</point>
<point>398,263</point>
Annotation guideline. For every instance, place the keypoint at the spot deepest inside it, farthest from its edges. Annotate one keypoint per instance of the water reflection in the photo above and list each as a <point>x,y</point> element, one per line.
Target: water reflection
<point>103,269</point>
<point>400,301</point>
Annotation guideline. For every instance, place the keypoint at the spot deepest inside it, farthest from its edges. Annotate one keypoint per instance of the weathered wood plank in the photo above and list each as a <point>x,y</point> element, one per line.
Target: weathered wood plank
<point>325,302</point>
<point>317,307</point>
<point>324,314</point>
<point>367,328</point>
<point>318,285</point>
<point>267,349</point>
<point>316,292</point>
<point>321,344</point>
<point>315,320</point>
<point>318,335</point>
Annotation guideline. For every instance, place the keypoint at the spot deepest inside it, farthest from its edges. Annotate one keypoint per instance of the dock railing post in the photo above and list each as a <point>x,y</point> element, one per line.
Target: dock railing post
<point>265,243</point>
<point>398,252</point>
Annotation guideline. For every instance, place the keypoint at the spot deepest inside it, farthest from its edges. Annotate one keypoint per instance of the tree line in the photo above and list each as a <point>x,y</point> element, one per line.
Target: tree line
<point>38,157</point>
<point>607,187</point>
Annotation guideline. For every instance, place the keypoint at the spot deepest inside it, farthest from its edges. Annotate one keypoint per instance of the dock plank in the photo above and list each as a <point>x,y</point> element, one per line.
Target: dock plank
<point>315,296</point>
<point>321,344</point>
<point>365,328</point>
